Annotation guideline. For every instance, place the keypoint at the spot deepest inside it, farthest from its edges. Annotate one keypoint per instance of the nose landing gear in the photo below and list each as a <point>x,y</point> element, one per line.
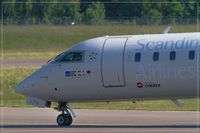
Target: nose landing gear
<point>65,118</point>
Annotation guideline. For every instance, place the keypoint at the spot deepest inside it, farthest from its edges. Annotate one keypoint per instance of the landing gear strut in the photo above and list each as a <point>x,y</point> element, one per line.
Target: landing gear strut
<point>65,118</point>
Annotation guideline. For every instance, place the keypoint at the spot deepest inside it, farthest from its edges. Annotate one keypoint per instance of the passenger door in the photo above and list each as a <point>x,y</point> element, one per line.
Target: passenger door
<point>113,62</point>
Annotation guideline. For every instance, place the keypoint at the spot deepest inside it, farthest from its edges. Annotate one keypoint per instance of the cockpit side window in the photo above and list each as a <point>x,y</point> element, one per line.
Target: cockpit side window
<point>72,57</point>
<point>54,59</point>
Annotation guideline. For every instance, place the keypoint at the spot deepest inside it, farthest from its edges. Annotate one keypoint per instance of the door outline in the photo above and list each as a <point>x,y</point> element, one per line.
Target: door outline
<point>123,56</point>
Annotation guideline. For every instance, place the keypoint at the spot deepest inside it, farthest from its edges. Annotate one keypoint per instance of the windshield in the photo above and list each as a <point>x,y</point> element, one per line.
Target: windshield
<point>55,58</point>
<point>72,57</point>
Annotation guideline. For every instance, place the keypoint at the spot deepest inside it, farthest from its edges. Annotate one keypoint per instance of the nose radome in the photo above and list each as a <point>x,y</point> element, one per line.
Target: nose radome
<point>26,87</point>
<point>29,86</point>
<point>20,89</point>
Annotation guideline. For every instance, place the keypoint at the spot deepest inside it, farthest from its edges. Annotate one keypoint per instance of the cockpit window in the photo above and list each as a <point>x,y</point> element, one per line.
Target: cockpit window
<point>55,58</point>
<point>72,57</point>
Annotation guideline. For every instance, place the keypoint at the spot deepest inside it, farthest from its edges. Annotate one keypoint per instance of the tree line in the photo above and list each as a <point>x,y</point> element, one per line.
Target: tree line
<point>98,11</point>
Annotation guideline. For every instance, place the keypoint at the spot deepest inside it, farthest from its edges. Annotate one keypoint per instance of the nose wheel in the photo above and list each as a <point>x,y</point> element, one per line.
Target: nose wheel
<point>65,118</point>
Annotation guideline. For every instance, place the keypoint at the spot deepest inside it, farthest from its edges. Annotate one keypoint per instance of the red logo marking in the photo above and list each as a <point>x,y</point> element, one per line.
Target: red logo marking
<point>140,85</point>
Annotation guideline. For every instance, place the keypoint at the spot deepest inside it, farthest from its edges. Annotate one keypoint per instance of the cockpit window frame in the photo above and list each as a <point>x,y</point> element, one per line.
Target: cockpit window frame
<point>54,59</point>
<point>65,53</point>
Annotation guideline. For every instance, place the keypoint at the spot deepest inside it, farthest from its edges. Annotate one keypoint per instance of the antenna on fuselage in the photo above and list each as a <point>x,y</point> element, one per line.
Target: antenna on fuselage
<point>166,30</point>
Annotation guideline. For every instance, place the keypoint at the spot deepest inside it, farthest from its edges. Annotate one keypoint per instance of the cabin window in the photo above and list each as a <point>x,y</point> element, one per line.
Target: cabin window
<point>72,57</point>
<point>137,57</point>
<point>191,54</point>
<point>155,56</point>
<point>172,55</point>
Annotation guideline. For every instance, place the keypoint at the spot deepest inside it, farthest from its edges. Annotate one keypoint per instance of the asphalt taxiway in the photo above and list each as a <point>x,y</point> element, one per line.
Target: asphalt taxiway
<point>34,62</point>
<point>23,120</point>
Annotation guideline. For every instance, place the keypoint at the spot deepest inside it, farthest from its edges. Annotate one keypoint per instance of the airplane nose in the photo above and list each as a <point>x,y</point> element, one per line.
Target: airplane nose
<point>30,86</point>
<point>20,89</point>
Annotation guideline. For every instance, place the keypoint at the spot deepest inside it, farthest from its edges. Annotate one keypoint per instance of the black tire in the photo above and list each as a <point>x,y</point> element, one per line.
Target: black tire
<point>61,120</point>
<point>68,119</point>
<point>64,120</point>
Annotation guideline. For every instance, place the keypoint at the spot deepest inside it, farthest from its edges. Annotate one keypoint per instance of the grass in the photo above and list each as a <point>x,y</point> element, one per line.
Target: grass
<point>47,41</point>
<point>12,76</point>
<point>151,105</point>
<point>48,38</point>
<point>11,54</point>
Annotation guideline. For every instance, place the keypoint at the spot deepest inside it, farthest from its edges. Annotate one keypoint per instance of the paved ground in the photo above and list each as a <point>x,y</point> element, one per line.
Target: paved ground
<point>37,62</point>
<point>100,121</point>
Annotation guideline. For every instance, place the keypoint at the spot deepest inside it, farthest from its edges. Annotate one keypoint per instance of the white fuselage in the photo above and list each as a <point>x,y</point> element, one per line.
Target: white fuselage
<point>134,67</point>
